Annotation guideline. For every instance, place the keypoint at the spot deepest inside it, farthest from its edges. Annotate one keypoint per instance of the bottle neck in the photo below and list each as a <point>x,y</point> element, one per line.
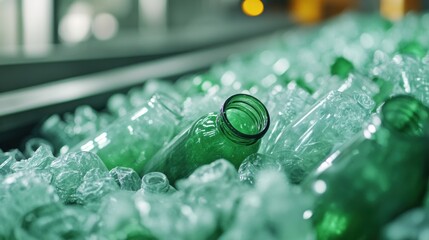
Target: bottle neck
<point>407,116</point>
<point>404,117</point>
<point>155,182</point>
<point>243,119</point>
<point>385,90</point>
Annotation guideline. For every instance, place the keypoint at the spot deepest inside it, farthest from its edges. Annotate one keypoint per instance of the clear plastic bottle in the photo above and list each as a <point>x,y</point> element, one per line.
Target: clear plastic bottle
<point>325,126</point>
<point>133,139</point>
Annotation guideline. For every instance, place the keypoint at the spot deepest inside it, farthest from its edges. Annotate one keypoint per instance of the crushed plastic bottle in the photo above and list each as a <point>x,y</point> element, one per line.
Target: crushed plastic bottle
<point>320,85</point>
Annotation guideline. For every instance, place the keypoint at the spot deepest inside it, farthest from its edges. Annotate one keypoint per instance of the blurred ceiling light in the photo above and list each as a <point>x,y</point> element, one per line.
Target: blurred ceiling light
<point>8,27</point>
<point>37,25</point>
<point>252,8</point>
<point>119,8</point>
<point>105,26</point>
<point>153,14</point>
<point>76,24</point>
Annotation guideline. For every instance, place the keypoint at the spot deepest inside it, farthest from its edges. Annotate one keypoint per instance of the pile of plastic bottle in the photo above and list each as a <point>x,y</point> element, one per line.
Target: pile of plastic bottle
<point>321,85</point>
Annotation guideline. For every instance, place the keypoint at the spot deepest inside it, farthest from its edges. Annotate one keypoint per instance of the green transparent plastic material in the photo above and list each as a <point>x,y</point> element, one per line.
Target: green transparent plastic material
<point>212,203</point>
<point>412,48</point>
<point>135,138</point>
<point>33,144</point>
<point>284,104</point>
<point>233,134</point>
<point>386,89</point>
<point>196,84</point>
<point>126,178</point>
<point>341,67</point>
<point>333,120</point>
<point>72,128</point>
<point>413,224</point>
<point>121,218</point>
<point>362,186</point>
<point>20,193</point>
<point>403,74</point>
<point>155,183</point>
<point>55,221</point>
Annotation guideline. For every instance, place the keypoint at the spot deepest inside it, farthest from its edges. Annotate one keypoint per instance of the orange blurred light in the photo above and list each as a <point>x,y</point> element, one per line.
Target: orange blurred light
<point>313,11</point>
<point>252,8</point>
<point>307,11</point>
<point>396,9</point>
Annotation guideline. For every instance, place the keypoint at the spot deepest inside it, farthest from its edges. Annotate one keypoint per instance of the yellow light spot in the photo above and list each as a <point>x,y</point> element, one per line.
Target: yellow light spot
<point>396,9</point>
<point>252,8</point>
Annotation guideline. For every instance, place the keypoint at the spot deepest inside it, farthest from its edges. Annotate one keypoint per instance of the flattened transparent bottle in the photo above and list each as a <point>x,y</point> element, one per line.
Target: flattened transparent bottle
<point>234,133</point>
<point>324,127</point>
<point>133,139</point>
<point>284,105</point>
<point>402,74</point>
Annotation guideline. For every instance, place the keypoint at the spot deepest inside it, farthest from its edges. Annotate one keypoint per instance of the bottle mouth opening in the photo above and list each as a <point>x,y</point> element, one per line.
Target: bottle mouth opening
<point>406,115</point>
<point>155,182</point>
<point>245,116</point>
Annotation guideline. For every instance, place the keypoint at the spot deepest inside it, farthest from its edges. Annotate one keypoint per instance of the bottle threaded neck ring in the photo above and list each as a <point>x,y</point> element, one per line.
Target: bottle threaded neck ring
<point>155,182</point>
<point>244,118</point>
<point>406,115</point>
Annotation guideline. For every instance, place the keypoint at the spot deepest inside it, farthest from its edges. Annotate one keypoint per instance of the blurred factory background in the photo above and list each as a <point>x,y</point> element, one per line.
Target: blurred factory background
<point>94,35</point>
<point>32,27</point>
<point>49,41</point>
<point>83,36</point>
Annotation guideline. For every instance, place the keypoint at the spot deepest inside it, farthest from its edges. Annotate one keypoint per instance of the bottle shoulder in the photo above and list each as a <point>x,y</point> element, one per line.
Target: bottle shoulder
<point>204,127</point>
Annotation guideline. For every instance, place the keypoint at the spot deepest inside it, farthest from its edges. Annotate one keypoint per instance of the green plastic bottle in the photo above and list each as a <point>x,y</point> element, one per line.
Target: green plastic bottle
<point>134,139</point>
<point>234,133</point>
<point>190,85</point>
<point>379,175</point>
<point>412,48</point>
<point>386,90</point>
<point>342,67</point>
